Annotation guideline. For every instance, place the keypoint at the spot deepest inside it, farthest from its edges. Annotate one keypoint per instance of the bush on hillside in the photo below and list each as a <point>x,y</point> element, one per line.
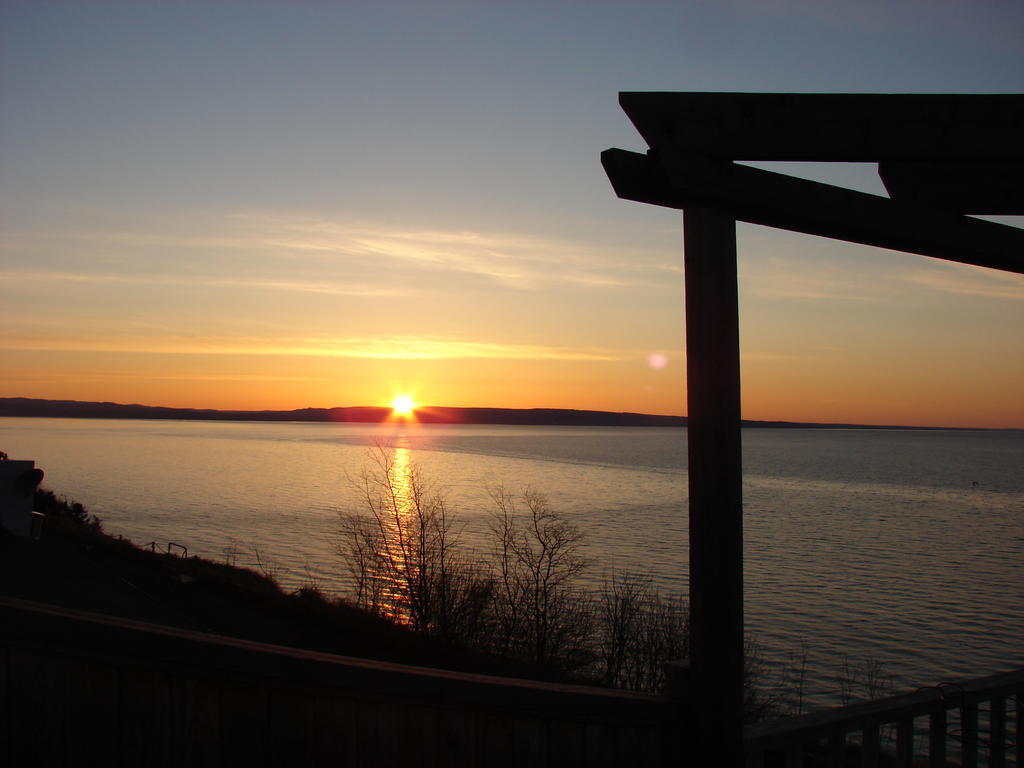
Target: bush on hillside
<point>59,510</point>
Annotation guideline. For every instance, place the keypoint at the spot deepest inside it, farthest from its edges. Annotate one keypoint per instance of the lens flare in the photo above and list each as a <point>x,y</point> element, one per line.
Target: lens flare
<point>657,360</point>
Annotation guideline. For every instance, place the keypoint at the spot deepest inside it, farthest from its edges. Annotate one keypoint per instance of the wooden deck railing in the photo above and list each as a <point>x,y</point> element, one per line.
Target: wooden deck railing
<point>83,689</point>
<point>969,723</point>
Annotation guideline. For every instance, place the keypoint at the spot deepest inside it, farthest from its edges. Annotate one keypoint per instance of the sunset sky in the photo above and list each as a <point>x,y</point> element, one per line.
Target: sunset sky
<point>289,204</point>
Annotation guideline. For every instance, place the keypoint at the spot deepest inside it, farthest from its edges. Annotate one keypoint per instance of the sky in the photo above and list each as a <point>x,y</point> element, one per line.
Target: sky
<point>277,205</point>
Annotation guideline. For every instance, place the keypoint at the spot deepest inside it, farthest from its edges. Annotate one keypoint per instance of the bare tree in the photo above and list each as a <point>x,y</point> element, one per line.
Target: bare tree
<point>404,556</point>
<point>539,612</point>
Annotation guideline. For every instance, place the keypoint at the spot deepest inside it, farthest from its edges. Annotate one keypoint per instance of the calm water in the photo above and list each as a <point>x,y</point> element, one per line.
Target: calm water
<point>899,546</point>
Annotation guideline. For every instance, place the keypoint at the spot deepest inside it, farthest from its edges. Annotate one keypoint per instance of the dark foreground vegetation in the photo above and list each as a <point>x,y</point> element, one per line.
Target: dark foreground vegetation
<point>76,565</point>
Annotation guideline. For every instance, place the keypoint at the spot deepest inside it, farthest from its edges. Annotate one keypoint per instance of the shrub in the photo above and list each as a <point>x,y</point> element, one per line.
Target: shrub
<point>639,632</point>
<point>58,509</point>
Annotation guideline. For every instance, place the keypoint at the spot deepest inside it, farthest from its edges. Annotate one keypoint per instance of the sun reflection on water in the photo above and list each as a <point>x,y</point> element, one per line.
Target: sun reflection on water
<point>400,535</point>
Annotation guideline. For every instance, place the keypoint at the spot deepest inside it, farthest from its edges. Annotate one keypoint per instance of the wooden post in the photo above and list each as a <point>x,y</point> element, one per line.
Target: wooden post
<point>716,486</point>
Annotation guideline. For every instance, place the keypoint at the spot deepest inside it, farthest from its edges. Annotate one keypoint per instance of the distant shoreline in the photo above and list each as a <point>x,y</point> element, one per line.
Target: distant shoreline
<point>39,408</point>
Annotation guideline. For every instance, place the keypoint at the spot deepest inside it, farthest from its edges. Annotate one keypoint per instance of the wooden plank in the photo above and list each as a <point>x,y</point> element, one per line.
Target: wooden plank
<point>507,741</point>
<point>372,733</point>
<point>979,188</point>
<point>6,713</point>
<point>36,709</point>
<point>937,738</point>
<point>195,722</point>
<point>795,755</point>
<point>969,734</point>
<point>91,712</point>
<point>1019,728</point>
<point>417,736</point>
<point>830,127</point>
<point>144,709</point>
<point>530,740</point>
<point>244,723</point>
<point>799,205</point>
<point>869,746</point>
<point>393,733</point>
<point>627,746</point>
<point>649,749</point>
<point>905,742</point>
<point>835,750</point>
<point>599,742</point>
<point>290,734</point>
<point>334,731</point>
<point>997,731</point>
<point>715,486</point>
<point>457,739</point>
<point>566,744</point>
<point>673,738</point>
<point>118,639</point>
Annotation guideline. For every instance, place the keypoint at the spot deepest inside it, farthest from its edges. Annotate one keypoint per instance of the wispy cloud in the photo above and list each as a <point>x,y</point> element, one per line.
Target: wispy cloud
<point>513,259</point>
<point>771,356</point>
<point>115,375</point>
<point>298,251</point>
<point>193,281</point>
<point>384,347</point>
<point>967,280</point>
<point>785,278</point>
<point>419,348</point>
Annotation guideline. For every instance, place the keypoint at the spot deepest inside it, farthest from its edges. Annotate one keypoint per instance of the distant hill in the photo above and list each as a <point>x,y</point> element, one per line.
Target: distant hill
<point>22,406</point>
<point>25,406</point>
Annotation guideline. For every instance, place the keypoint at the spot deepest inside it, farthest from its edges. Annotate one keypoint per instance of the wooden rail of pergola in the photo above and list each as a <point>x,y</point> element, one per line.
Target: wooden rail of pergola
<point>940,157</point>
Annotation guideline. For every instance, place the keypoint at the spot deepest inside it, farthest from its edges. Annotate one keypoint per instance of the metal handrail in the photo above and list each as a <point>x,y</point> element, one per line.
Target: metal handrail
<point>182,547</point>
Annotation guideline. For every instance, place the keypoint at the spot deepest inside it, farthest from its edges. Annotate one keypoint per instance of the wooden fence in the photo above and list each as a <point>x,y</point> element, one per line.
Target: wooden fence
<point>968,723</point>
<point>84,689</point>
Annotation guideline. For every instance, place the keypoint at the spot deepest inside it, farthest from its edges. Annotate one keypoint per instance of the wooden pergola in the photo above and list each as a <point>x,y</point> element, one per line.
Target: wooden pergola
<point>941,157</point>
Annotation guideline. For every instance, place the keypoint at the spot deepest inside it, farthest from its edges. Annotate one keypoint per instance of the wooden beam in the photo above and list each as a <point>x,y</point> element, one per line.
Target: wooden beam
<point>716,486</point>
<point>983,188</point>
<point>831,127</point>
<point>777,200</point>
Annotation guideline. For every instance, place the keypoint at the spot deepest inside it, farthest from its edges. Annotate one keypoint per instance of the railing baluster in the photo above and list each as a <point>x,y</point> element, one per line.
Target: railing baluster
<point>1019,739</point>
<point>774,758</point>
<point>905,742</point>
<point>937,737</point>
<point>1019,729</point>
<point>969,734</point>
<point>869,746</point>
<point>836,750</point>
<point>795,755</point>
<point>997,728</point>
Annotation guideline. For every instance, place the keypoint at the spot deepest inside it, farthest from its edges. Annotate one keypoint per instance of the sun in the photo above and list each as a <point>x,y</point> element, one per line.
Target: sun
<point>403,405</point>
